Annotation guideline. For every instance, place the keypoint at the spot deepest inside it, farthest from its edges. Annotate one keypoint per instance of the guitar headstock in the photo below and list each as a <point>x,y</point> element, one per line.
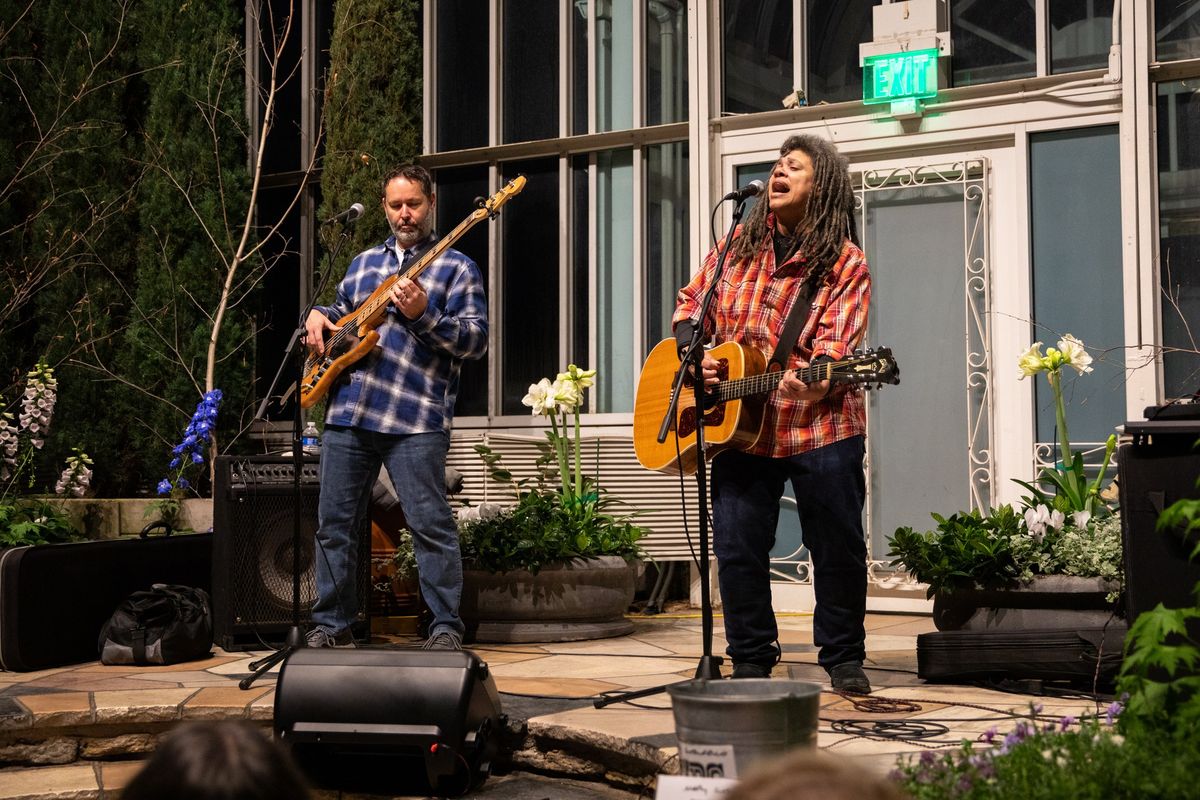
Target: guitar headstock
<point>491,206</point>
<point>877,366</point>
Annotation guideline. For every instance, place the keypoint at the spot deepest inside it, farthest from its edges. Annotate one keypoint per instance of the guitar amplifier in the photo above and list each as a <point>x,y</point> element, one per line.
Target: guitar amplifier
<point>253,517</point>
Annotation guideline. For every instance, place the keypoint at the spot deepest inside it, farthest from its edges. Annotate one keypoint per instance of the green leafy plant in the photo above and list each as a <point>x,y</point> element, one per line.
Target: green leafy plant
<point>1063,527</point>
<point>1115,754</point>
<point>560,514</point>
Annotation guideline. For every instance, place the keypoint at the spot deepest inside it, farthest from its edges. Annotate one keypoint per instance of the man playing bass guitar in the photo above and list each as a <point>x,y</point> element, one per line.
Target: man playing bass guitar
<point>395,409</point>
<point>813,434</point>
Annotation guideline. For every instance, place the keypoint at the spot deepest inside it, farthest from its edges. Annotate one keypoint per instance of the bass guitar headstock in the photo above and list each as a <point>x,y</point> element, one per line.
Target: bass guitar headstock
<point>491,206</point>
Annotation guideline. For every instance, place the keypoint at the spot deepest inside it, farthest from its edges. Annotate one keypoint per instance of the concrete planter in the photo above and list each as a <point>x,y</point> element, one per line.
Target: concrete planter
<point>1048,602</point>
<point>584,599</point>
<point>109,519</point>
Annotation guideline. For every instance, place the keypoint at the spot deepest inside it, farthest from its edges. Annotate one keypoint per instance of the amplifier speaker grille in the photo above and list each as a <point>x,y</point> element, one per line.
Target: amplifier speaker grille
<point>252,551</point>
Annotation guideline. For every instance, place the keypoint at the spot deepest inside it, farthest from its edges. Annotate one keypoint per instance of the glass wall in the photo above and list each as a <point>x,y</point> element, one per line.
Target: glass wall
<point>835,29</point>
<point>1177,29</point>
<point>993,40</point>
<point>1080,34</point>
<point>530,70</point>
<point>756,55</point>
<point>461,28</point>
<point>1075,220</point>
<point>1179,234</point>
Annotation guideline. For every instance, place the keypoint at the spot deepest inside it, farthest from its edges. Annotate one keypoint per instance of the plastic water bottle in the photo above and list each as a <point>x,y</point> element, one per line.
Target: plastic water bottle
<point>310,440</point>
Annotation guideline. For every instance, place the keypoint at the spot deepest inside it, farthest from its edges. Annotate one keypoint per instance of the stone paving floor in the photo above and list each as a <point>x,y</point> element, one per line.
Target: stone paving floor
<point>555,684</point>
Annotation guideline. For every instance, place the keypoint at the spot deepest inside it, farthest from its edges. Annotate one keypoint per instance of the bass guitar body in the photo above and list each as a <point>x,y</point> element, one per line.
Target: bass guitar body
<point>735,423</point>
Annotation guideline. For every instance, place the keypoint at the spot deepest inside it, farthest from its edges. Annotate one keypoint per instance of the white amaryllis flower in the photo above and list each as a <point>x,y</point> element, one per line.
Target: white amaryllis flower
<point>540,397</point>
<point>583,378</point>
<point>1030,363</point>
<point>567,395</point>
<point>1074,355</point>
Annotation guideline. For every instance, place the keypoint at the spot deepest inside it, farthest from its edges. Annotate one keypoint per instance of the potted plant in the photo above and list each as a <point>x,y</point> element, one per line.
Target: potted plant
<point>1052,562</point>
<point>559,563</point>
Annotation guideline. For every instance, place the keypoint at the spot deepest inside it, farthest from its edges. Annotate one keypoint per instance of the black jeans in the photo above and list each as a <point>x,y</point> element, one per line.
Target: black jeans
<point>830,488</point>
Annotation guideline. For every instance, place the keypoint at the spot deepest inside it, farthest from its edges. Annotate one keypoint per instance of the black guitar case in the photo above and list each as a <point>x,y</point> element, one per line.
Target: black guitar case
<point>1072,656</point>
<point>54,598</point>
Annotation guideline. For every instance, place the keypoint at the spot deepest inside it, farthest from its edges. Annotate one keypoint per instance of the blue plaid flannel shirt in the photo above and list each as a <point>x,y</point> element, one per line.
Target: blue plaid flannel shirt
<point>409,382</point>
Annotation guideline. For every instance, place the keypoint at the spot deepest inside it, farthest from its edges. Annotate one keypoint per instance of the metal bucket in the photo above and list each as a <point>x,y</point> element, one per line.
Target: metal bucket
<point>759,718</point>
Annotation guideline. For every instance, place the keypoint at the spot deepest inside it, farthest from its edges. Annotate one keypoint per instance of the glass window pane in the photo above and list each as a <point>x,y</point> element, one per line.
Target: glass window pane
<point>1080,34</point>
<point>668,262</point>
<point>579,69</point>
<point>756,55</point>
<point>993,41</point>
<point>835,30</point>
<point>530,324</point>
<point>1075,216</point>
<point>1176,29</point>
<point>530,70</point>
<point>283,152</point>
<point>1179,234</point>
<point>614,289</point>
<point>456,190</point>
<point>614,65</point>
<point>462,83</point>
<point>747,173</point>
<point>666,62</point>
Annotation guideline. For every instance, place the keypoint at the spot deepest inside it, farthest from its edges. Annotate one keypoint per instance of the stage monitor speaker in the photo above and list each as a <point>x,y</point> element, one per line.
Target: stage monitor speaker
<point>1157,468</point>
<point>252,551</point>
<point>389,721</point>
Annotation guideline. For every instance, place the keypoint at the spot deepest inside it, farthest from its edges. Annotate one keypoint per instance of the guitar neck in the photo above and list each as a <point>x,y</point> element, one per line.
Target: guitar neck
<point>381,296</point>
<point>769,381</point>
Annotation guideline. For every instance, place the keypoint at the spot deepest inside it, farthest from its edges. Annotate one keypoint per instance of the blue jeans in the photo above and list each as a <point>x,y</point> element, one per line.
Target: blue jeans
<point>416,463</point>
<point>830,489</point>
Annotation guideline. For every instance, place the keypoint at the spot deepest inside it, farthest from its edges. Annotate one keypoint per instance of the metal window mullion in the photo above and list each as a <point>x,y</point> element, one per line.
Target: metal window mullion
<point>800,48</point>
<point>639,254</point>
<point>638,73</point>
<point>593,267</point>
<point>495,306</point>
<point>591,68</point>
<point>429,78</point>
<point>566,320</point>
<point>496,83</point>
<point>1041,15</point>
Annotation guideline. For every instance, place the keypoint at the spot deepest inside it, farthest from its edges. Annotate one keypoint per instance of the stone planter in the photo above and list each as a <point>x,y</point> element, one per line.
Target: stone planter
<point>1048,602</point>
<point>584,599</point>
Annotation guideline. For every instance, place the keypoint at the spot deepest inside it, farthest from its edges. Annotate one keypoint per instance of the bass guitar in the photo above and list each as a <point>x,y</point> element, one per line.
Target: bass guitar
<point>357,335</point>
<point>730,420</point>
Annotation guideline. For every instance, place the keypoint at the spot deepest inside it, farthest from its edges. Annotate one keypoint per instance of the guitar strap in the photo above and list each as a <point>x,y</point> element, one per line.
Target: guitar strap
<point>791,328</point>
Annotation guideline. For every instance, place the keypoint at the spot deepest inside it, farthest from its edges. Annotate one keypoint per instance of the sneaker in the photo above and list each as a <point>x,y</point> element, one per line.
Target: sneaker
<point>444,640</point>
<point>321,637</point>
<point>849,677</point>
<point>749,670</point>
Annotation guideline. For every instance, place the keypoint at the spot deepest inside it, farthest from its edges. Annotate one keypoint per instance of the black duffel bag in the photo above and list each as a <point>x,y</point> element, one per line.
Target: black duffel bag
<point>164,625</point>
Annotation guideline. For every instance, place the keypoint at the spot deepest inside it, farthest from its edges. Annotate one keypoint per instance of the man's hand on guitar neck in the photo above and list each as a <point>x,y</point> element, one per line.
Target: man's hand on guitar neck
<point>792,388</point>
<point>314,331</point>
<point>410,298</point>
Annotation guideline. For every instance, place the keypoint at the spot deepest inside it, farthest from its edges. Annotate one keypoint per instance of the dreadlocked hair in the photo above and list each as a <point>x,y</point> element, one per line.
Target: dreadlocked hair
<point>828,220</point>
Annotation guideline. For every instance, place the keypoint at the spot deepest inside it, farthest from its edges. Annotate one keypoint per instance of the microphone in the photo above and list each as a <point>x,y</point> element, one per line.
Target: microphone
<point>751,189</point>
<point>348,216</point>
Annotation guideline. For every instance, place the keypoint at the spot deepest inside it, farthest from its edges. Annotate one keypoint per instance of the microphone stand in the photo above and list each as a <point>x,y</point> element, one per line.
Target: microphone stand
<point>709,666</point>
<point>293,358</point>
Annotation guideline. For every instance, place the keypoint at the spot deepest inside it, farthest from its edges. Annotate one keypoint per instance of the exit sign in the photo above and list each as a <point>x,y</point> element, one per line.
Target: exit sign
<point>899,76</point>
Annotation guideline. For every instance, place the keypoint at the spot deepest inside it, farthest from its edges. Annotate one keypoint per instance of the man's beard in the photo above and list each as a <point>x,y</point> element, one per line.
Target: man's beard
<point>407,238</point>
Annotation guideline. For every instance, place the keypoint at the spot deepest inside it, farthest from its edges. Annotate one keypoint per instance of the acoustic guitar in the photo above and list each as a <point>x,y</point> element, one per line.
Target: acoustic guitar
<point>357,335</point>
<point>731,421</point>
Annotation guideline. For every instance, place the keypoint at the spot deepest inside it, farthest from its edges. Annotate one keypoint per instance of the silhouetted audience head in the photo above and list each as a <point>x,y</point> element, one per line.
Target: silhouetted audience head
<point>228,760</point>
<point>813,775</point>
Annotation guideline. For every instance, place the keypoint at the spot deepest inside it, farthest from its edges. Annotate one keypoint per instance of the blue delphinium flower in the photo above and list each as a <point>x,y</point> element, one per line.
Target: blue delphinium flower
<point>195,439</point>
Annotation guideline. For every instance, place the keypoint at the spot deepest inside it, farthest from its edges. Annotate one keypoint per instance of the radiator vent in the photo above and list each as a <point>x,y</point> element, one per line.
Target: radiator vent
<point>609,459</point>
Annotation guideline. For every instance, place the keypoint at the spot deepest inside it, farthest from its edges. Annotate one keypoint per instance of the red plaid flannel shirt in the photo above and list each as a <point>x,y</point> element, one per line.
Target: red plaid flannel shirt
<point>751,308</point>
